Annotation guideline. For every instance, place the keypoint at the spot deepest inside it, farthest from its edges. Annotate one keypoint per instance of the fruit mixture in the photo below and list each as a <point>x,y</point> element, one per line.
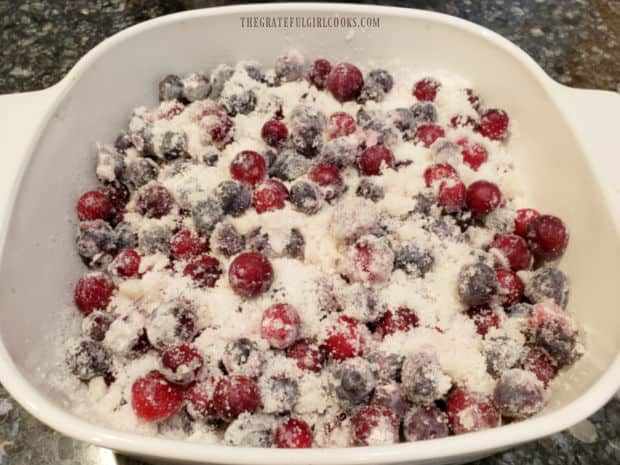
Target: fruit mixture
<point>316,256</point>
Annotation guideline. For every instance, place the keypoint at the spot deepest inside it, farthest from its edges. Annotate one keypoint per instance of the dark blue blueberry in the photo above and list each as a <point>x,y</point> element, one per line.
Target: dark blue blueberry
<point>289,68</point>
<point>387,367</point>
<point>123,142</point>
<point>423,204</point>
<point>559,340</point>
<point>413,259</point>
<point>547,283</point>
<point>155,239</point>
<point>251,430</point>
<point>288,166</point>
<point>234,197</point>
<point>88,359</point>
<point>140,171</point>
<point>369,190</point>
<point>207,213</point>
<point>171,323</point>
<point>211,158</point>
<point>295,247</point>
<point>196,86</point>
<point>477,284</point>
<point>170,88</point>
<point>424,113</point>
<point>377,83</point>
<point>502,353</point>
<point>239,103</point>
<point>96,243</point>
<point>307,125</point>
<point>127,236</point>
<point>174,144</point>
<point>254,71</point>
<point>421,376</point>
<point>519,394</point>
<point>242,357</point>
<point>282,394</point>
<point>219,77</point>
<point>305,197</point>
<point>258,241</point>
<point>226,240</point>
<point>354,381</point>
<point>110,164</point>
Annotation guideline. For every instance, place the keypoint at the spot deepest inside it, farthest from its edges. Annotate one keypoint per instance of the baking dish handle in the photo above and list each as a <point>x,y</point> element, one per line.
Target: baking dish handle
<point>595,117</point>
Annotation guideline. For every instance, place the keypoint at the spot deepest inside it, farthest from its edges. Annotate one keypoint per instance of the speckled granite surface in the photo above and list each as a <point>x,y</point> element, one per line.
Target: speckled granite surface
<point>576,41</point>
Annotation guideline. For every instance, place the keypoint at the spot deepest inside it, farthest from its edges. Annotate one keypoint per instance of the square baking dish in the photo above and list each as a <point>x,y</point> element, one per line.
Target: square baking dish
<point>566,150</point>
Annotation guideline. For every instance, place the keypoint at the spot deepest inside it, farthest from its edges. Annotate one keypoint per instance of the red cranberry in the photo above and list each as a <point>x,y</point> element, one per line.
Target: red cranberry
<point>484,318</point>
<point>318,73</point>
<point>524,216</point>
<point>234,395</point>
<point>374,426</point>
<point>345,82</point>
<point>280,325</point>
<point>325,175</point>
<point>186,244</point>
<point>493,124</point>
<point>204,269</point>
<point>428,134</point>
<point>403,319</point>
<point>538,362</point>
<point>93,205</point>
<point>248,167</point>
<point>374,158</point>
<point>250,274</point>
<point>308,354</point>
<point>93,291</point>
<point>153,398</point>
<point>199,396</point>
<point>118,194</point>
<point>217,125</point>
<point>127,263</point>
<point>439,172</point>
<point>345,339</point>
<point>547,237</point>
<point>154,201</point>
<point>473,98</point>
<point>274,133</point>
<point>510,288</point>
<point>474,154</point>
<point>483,197</point>
<point>422,423</point>
<point>515,250</point>
<point>183,361</point>
<point>340,124</point>
<point>451,195</point>
<point>269,196</point>
<point>426,89</point>
<point>468,412</point>
<point>293,434</point>
<point>371,259</point>
<point>461,121</point>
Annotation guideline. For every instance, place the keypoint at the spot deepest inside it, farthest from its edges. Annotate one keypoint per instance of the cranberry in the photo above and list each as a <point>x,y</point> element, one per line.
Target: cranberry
<point>555,332</point>
<point>199,396</point>
<point>93,291</point>
<point>473,99</point>
<point>96,325</point>
<point>269,196</point>
<point>484,318</point>
<point>248,167</point>
<point>280,325</point>
<point>468,412</point>
<point>186,244</point>
<point>118,194</point>
<point>428,134</point>
<point>217,125</point>
<point>204,269</point>
<point>510,289</point>
<point>318,73</point>
<point>345,339</point>
<point>538,362</point>
<point>426,89</point>
<point>127,263</point>
<point>523,219</point>
<point>474,154</point>
<point>93,205</point>
<point>515,250</point>
<point>483,197</point>
<point>493,124</point>
<point>422,423</point>
<point>250,274</point>
<point>234,395</point>
<point>153,398</point>
<point>183,361</point>
<point>345,82</point>
<point>371,260</point>
<point>374,426</point>
<point>403,319</point>
<point>293,434</point>
<point>274,133</point>
<point>451,195</point>
<point>389,396</point>
<point>308,354</point>
<point>461,121</point>
<point>340,124</point>
<point>374,158</point>
<point>325,174</point>
<point>439,172</point>
<point>547,237</point>
<point>154,201</point>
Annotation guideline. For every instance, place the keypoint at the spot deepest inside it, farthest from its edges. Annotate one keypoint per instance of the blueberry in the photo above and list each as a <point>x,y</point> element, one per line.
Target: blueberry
<point>251,430</point>
<point>369,190</point>
<point>174,144</point>
<point>123,142</point>
<point>110,164</point>
<point>547,283</point>
<point>211,158</point>
<point>519,394</point>
<point>155,238</point>
<point>387,367</point>
<point>171,323</point>
<point>234,197</point>
<point>307,125</point>
<point>295,247</point>
<point>242,357</point>
<point>477,284</point>
<point>502,353</point>
<point>305,197</point>
<point>270,157</point>
<point>559,340</point>
<point>423,204</point>
<point>242,102</point>
<point>254,71</point>
<point>519,310</point>
<point>196,86</point>
<point>340,152</point>
<point>226,240</point>
<point>127,236</point>
<point>413,259</point>
<point>423,379</point>
<point>282,395</point>
<point>424,113</point>
<point>219,77</point>
<point>140,171</point>
<point>289,68</point>
<point>378,122</point>
<point>423,423</point>
<point>258,241</point>
<point>354,381</point>
<point>96,324</point>
<point>207,213</point>
<point>444,228</point>
<point>288,166</point>
<point>389,395</point>
<point>88,359</point>
<point>377,83</point>
<point>96,243</point>
<point>403,119</point>
<point>170,88</point>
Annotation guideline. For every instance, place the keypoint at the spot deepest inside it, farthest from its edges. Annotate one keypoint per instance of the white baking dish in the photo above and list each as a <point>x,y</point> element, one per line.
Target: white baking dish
<point>567,151</point>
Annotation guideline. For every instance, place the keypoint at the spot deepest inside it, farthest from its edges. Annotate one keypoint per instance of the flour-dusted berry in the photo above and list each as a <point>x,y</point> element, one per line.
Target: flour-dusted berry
<point>401,319</point>
<point>547,237</point>
<point>375,159</point>
<point>451,195</point>
<point>423,423</point>
<point>438,173</point>
<point>493,124</point>
<point>340,124</point>
<point>514,250</point>
<point>154,398</point>
<point>483,197</point>
<point>484,318</point>
<point>242,357</point>
<point>308,354</point>
<point>427,134</point>
<point>519,394</point>
<point>468,412</point>
<point>307,126</point>
<point>226,240</point>
<point>413,259</point>
<point>423,379</point>
<point>305,197</point>
<point>96,243</point>
<point>199,397</point>
<point>96,324</point>
<point>477,283</point>
<point>555,332</point>
<point>207,213</point>
<point>318,73</point>
<point>270,195</point>
<point>217,127</point>
<point>293,434</point>
<point>374,426</point>
<point>283,394</point>
<point>274,133</point>
<point>280,325</point>
<point>387,367</point>
<point>537,361</point>
<point>248,167</point>
<point>93,205</point>
<point>510,287</point>
<point>186,244</point>
<point>154,201</point>
<point>353,381</point>
<point>547,283</point>
<point>250,274</point>
<point>126,263</point>
<point>251,430</point>
<point>345,82</point>
<point>289,67</point>
<point>171,323</point>
<point>204,269</point>
<point>235,395</point>
<point>474,154</point>
<point>93,291</point>
<point>88,359</point>
<point>370,260</point>
<point>234,197</point>
<point>181,363</point>
<point>346,339</point>
<point>523,218</point>
<point>170,87</point>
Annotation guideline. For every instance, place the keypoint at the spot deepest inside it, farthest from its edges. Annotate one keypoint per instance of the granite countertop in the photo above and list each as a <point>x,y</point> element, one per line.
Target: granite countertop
<point>576,41</point>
